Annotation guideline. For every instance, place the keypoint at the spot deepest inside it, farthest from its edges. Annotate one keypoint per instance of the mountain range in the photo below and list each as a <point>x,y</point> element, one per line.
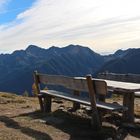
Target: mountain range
<point>74,60</point>
<point>123,62</point>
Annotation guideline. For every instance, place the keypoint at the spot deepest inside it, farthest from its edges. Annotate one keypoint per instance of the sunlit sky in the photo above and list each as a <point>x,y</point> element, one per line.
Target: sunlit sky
<point>102,25</point>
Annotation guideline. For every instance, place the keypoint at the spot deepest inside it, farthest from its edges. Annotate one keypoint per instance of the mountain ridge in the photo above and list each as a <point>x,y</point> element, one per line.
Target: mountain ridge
<point>72,60</point>
<point>123,62</point>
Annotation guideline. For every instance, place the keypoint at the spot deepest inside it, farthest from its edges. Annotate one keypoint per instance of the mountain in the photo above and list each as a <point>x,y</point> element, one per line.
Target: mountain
<point>123,62</point>
<point>118,54</point>
<point>74,60</point>
<point>17,68</point>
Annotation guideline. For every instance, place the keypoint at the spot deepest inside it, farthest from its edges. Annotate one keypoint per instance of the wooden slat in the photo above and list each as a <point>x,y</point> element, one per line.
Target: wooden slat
<point>36,80</point>
<point>69,82</point>
<point>96,122</point>
<point>100,85</point>
<point>85,101</point>
<point>92,93</point>
<point>122,86</point>
<point>134,78</point>
<point>119,86</point>
<point>122,83</point>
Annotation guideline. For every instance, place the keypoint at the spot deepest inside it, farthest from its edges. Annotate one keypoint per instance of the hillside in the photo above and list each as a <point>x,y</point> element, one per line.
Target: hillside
<point>123,62</point>
<point>17,68</point>
<point>21,119</point>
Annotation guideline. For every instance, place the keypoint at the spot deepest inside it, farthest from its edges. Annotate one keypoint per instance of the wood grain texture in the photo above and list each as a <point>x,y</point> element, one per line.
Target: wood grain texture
<point>36,81</point>
<point>96,122</point>
<point>133,78</point>
<point>100,85</point>
<point>128,101</point>
<point>122,86</point>
<point>68,82</point>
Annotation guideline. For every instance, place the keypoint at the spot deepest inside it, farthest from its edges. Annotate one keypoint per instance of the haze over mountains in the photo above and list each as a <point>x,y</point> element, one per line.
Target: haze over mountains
<point>73,60</point>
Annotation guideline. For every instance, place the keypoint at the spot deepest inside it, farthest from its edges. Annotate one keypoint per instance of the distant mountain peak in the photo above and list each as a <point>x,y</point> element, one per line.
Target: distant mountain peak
<point>75,46</point>
<point>53,48</point>
<point>31,48</point>
<point>118,52</point>
<point>72,45</point>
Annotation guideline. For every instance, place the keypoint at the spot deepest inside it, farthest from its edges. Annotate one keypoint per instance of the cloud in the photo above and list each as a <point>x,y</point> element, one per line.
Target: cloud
<point>103,26</point>
<point>3,4</point>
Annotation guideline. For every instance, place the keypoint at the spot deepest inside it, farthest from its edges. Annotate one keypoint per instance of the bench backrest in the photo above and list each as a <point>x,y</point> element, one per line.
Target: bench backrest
<point>134,78</point>
<point>100,86</point>
<point>65,81</point>
<point>73,83</point>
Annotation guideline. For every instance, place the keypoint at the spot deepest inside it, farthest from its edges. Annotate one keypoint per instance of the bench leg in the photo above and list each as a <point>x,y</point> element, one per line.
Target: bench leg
<point>96,122</point>
<point>128,101</point>
<point>47,103</point>
<point>76,106</point>
<point>41,103</point>
<point>101,112</point>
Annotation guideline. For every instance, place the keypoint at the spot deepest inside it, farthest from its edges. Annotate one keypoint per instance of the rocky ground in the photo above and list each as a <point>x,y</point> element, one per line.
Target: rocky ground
<point>20,119</point>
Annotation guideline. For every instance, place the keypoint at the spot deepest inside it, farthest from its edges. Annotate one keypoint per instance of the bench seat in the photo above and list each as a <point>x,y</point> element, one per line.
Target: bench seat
<point>82,100</point>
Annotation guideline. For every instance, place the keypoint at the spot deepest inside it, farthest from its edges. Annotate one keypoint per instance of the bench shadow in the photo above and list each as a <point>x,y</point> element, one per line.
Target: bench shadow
<point>133,129</point>
<point>78,127</point>
<point>125,128</point>
<point>9,122</point>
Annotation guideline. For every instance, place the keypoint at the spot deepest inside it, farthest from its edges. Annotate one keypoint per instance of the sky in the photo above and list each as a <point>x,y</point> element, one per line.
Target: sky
<point>102,25</point>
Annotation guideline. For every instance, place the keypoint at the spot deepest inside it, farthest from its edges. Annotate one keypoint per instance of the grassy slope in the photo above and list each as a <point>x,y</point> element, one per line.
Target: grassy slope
<point>21,119</point>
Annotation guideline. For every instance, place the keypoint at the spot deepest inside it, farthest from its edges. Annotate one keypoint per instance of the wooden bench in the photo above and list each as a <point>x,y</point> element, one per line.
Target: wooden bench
<point>94,88</point>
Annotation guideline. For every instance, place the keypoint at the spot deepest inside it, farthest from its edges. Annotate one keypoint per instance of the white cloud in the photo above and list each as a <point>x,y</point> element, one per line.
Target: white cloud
<point>102,25</point>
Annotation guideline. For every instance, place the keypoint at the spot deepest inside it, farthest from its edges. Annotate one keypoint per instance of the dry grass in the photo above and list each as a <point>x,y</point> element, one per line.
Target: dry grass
<point>20,119</point>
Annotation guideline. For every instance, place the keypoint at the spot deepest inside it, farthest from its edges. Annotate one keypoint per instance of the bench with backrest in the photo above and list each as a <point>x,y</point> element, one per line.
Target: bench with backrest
<point>132,78</point>
<point>77,85</point>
